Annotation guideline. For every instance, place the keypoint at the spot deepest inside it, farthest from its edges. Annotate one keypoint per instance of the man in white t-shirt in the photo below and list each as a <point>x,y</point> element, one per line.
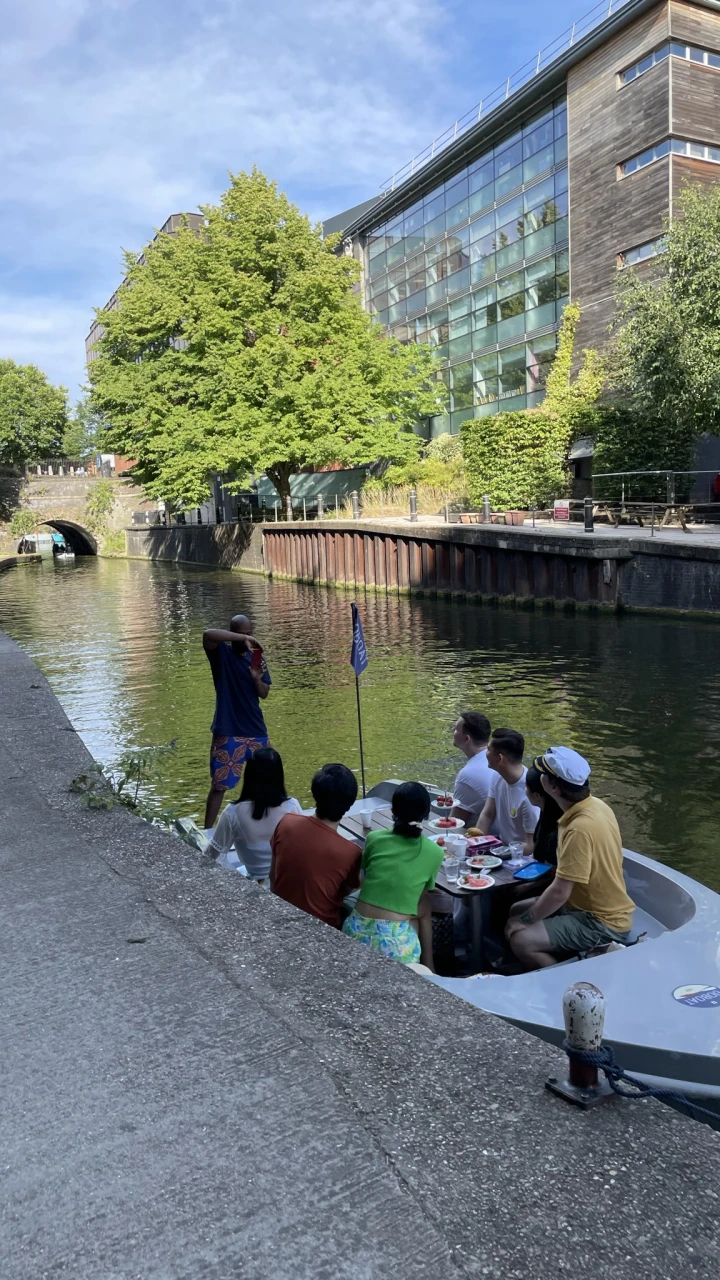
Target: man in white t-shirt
<point>507,804</point>
<point>472,785</point>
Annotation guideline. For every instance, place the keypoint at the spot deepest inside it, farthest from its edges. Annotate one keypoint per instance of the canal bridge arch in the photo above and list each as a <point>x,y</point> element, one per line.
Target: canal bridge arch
<point>79,539</point>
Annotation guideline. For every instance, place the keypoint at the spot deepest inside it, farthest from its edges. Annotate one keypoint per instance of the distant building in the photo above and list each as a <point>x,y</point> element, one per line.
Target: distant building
<point>173,223</point>
<point>557,181</point>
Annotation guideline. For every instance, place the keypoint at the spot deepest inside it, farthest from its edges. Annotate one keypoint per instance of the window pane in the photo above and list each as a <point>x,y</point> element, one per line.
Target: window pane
<point>541,349</point>
<point>538,140</point>
<point>458,239</point>
<point>456,191</point>
<point>381,301</point>
<point>561,230</point>
<point>713,59</point>
<point>697,55</point>
<point>482,270</point>
<point>486,337</point>
<point>513,327</point>
<point>508,182</point>
<point>460,347</point>
<point>561,181</point>
<point>459,327</point>
<point>416,302</point>
<point>485,367</point>
<point>462,377</point>
<point>511,284</point>
<point>540,271</point>
<point>511,406</point>
<point>561,150</point>
<point>459,280</point>
<point>396,252</point>
<point>513,306</point>
<point>435,252</point>
<point>397,312</point>
<point>562,261</point>
<point>434,205</point>
<point>506,257</point>
<point>460,307</point>
<point>486,391</point>
<point>510,211</point>
<point>483,297</point>
<point>561,122</point>
<point>539,317</point>
<point>678,49</point>
<point>539,240</point>
<point>482,227</point>
<point>563,284</point>
<point>377,264</point>
<point>481,198</point>
<point>414,218</point>
<point>536,196</point>
<point>507,157</point>
<point>435,228</point>
<point>458,213</point>
<point>538,163</point>
<point>435,292</point>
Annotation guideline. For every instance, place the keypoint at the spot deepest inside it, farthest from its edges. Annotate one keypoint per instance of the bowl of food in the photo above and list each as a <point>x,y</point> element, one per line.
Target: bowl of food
<point>447,824</point>
<point>442,804</point>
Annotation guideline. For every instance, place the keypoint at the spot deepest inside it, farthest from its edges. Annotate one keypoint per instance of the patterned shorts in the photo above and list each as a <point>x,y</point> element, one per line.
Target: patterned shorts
<point>227,757</point>
<point>395,939</point>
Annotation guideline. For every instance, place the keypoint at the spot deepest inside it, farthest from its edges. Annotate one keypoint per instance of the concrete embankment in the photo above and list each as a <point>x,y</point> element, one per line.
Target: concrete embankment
<point>200,1080</point>
<point>11,562</point>
<point>219,546</point>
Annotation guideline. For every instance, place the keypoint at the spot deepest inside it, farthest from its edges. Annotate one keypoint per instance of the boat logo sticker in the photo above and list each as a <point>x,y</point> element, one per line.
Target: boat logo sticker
<point>699,997</point>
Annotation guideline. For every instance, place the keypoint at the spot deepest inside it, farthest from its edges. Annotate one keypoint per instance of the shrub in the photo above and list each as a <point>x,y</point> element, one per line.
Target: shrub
<point>23,522</point>
<point>518,458</point>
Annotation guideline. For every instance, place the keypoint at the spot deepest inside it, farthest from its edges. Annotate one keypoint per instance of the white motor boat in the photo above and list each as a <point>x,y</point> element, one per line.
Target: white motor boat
<point>662,996</point>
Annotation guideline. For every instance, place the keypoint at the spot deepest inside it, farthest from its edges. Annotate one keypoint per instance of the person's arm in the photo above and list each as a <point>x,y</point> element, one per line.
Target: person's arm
<point>223,837</point>
<point>531,817</point>
<point>554,897</point>
<point>352,879</point>
<point>488,815</point>
<point>218,635</point>
<point>262,688</point>
<point>424,918</point>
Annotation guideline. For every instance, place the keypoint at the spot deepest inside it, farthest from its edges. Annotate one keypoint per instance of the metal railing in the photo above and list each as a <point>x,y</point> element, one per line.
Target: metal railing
<point>671,479</point>
<point>543,59</point>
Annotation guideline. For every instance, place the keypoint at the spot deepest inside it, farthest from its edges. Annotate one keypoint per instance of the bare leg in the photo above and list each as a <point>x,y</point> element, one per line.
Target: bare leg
<point>212,807</point>
<point>531,944</point>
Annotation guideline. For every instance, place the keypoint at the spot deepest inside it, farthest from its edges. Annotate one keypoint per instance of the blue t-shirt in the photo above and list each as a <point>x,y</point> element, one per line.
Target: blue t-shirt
<point>237,705</point>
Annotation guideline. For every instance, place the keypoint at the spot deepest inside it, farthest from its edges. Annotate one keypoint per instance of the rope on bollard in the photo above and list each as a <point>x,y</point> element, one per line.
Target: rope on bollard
<point>617,1078</point>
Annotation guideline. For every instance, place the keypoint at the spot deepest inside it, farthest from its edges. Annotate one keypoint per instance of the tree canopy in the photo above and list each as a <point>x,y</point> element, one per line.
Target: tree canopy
<point>33,415</point>
<point>664,359</point>
<point>245,347</point>
<point>82,436</point>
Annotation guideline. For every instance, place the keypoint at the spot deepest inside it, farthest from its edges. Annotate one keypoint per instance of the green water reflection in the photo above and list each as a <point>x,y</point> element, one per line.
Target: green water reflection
<point>120,643</point>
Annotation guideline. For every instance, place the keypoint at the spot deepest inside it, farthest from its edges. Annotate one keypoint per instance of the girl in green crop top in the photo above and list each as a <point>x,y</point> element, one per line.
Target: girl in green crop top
<point>392,915</point>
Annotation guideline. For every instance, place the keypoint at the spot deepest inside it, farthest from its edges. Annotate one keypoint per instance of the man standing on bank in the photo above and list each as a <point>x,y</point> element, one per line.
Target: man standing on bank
<point>587,904</point>
<point>241,679</point>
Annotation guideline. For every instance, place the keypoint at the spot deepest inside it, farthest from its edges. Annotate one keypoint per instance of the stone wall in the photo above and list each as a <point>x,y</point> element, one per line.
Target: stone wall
<point>224,546</point>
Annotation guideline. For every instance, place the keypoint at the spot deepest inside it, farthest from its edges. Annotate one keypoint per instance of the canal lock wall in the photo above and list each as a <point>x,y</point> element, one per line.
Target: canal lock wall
<point>220,546</point>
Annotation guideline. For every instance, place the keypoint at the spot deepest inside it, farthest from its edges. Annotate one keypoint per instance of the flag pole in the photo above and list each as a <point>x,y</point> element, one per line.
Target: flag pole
<point>362,756</point>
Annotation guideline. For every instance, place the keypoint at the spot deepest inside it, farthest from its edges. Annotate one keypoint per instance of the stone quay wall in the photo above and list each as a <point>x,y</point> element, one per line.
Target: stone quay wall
<point>220,546</point>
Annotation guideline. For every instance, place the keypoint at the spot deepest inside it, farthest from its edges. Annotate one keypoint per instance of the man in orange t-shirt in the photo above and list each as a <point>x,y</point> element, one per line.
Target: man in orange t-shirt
<point>313,867</point>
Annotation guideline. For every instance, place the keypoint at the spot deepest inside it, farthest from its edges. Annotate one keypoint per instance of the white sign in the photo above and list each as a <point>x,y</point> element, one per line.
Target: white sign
<point>561,509</point>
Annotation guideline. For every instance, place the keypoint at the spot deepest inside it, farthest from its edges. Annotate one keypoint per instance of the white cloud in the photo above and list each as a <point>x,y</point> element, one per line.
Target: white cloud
<point>45,331</point>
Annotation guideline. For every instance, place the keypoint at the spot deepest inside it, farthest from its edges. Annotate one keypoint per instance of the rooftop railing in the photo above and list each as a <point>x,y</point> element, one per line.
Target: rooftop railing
<point>544,58</point>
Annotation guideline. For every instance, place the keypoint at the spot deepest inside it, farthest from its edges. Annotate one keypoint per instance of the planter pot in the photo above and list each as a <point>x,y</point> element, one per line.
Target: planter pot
<point>514,517</point>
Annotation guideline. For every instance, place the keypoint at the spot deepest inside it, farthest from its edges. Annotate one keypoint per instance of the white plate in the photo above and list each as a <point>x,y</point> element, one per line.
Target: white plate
<point>447,831</point>
<point>471,888</point>
<point>486,862</point>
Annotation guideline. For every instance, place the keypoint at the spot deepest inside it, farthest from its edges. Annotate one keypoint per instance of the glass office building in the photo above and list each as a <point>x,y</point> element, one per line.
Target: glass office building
<point>479,269</point>
<point>476,245</point>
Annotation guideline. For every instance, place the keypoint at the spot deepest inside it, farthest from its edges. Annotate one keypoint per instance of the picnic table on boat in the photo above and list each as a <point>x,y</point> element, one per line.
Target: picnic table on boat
<point>382,820</point>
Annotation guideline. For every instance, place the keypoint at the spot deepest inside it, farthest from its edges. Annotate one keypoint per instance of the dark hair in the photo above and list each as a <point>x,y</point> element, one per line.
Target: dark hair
<point>264,781</point>
<point>509,743</point>
<point>571,791</point>
<point>410,805</point>
<point>476,725</point>
<point>545,838</point>
<point>334,789</point>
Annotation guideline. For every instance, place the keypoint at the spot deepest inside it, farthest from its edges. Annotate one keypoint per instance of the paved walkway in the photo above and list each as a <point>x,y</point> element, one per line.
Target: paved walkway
<point>200,1081</point>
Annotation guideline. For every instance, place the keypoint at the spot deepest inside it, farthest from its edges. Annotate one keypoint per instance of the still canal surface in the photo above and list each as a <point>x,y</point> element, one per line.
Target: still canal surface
<point>120,643</point>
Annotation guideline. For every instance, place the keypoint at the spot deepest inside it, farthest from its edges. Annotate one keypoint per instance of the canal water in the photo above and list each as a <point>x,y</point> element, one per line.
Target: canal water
<point>120,643</point>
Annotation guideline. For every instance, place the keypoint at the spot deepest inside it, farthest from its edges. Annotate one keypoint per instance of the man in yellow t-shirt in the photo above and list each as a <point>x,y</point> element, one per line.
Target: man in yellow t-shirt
<point>587,904</point>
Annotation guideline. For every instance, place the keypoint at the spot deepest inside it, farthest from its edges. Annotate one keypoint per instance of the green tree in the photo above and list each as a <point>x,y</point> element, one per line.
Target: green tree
<point>245,348</point>
<point>664,359</point>
<point>82,436</point>
<point>33,415</point>
<point>520,458</point>
<point>98,505</point>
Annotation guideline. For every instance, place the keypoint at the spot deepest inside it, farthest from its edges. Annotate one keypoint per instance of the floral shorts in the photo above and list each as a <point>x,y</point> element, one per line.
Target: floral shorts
<point>395,939</point>
<point>227,757</point>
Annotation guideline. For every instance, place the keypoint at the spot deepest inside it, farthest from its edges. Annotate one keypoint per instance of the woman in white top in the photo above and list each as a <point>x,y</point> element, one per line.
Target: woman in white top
<point>249,823</point>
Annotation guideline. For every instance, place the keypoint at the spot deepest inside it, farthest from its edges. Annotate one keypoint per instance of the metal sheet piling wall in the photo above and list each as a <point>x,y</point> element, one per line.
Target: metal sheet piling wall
<point>443,560</point>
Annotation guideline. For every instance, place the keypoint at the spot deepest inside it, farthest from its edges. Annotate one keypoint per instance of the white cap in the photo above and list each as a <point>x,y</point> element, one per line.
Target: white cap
<point>563,762</point>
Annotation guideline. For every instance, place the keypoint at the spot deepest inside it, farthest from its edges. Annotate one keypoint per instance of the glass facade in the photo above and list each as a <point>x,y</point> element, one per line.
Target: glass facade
<point>705,57</point>
<point>478,266</point>
<point>678,146</point>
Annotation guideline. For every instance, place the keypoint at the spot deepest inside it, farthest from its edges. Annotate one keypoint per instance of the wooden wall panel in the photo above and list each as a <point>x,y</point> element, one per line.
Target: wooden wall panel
<point>695,25</point>
<point>696,100</point>
<point>684,170</point>
<point>607,125</point>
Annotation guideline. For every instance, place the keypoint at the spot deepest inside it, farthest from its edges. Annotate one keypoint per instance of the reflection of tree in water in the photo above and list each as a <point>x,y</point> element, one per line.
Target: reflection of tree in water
<point>121,643</point>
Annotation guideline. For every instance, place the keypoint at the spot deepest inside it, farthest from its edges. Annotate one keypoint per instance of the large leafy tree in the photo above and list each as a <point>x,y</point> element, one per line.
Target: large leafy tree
<point>664,359</point>
<point>33,415</point>
<point>246,348</point>
<point>83,433</point>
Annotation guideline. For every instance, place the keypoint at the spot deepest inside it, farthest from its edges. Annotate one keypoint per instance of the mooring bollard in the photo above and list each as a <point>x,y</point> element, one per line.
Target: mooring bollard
<point>355,504</point>
<point>321,507</point>
<point>276,510</point>
<point>447,512</point>
<point>304,510</point>
<point>588,514</point>
<point>288,508</point>
<point>413,504</point>
<point>584,1014</point>
<point>486,508</point>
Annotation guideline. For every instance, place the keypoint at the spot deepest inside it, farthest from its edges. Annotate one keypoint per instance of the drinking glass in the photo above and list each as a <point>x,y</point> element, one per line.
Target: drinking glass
<point>517,856</point>
<point>451,867</point>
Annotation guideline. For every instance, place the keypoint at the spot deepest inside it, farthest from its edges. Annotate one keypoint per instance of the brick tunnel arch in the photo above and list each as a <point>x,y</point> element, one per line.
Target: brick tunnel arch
<point>79,540</point>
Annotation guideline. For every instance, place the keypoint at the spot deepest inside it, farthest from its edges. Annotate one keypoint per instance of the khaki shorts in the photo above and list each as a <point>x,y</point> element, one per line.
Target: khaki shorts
<point>573,931</point>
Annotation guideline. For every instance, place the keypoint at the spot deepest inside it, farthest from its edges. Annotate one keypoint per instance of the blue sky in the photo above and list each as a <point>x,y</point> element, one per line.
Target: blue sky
<point>117,113</point>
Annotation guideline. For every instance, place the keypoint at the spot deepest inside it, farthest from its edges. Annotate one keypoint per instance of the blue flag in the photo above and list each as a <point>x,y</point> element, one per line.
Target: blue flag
<point>358,655</point>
